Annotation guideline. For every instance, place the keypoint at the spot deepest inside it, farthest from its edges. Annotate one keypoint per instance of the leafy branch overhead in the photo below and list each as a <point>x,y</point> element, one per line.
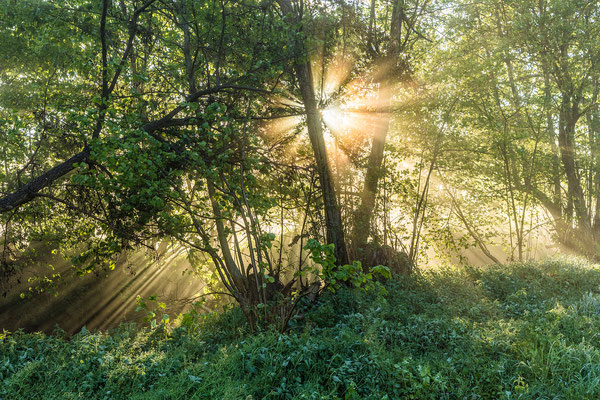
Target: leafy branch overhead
<point>286,147</point>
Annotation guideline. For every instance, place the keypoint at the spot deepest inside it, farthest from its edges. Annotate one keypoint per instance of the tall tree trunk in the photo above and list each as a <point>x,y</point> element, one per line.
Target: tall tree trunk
<point>566,137</point>
<point>388,69</point>
<point>364,213</point>
<point>333,218</point>
<point>593,120</point>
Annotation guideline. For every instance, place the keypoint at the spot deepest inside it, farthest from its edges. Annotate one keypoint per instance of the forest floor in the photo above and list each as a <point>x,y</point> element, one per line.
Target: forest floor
<point>521,331</point>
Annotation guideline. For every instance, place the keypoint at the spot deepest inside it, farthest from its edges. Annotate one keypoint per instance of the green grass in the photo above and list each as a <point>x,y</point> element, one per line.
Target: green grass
<point>523,331</point>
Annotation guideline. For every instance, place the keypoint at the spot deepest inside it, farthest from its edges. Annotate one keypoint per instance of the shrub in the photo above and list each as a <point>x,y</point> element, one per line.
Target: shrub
<point>500,332</point>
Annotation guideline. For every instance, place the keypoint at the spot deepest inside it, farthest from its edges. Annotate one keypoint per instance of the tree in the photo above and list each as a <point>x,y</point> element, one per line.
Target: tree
<point>525,75</point>
<point>390,51</point>
<point>314,123</point>
<point>163,153</point>
<point>173,148</point>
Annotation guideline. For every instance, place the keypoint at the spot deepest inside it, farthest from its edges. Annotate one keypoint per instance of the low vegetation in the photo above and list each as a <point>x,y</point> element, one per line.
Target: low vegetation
<point>522,331</point>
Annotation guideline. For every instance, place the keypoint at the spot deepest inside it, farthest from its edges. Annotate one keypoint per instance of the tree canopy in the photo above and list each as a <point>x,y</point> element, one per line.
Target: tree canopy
<point>286,143</point>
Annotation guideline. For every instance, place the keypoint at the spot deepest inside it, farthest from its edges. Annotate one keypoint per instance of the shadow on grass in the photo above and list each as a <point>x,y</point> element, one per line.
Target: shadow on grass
<point>527,331</point>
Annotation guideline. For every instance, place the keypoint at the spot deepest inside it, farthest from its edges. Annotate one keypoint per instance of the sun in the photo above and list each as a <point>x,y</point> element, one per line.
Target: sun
<point>351,108</point>
<point>335,118</point>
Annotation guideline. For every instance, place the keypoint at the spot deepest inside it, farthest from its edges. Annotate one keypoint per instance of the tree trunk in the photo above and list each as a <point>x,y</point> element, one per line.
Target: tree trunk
<point>333,217</point>
<point>364,213</point>
<point>594,127</point>
<point>566,134</point>
<point>232,268</point>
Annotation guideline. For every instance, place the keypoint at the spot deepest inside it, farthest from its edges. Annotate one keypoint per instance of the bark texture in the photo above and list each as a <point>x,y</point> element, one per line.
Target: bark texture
<point>333,218</point>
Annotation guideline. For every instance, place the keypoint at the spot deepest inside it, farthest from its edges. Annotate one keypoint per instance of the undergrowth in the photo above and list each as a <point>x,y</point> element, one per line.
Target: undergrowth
<point>522,331</point>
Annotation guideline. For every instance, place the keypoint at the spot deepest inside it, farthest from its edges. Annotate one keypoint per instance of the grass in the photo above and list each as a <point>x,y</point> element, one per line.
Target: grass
<point>523,331</point>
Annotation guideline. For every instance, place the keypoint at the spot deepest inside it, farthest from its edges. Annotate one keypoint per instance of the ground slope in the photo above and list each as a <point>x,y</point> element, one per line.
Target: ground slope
<point>522,331</point>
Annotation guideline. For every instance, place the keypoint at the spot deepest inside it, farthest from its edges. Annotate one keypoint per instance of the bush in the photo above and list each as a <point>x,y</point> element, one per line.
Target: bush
<point>523,331</point>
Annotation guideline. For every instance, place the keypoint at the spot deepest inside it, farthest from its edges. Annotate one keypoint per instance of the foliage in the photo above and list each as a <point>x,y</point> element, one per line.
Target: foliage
<point>524,331</point>
<point>524,81</point>
<point>128,124</point>
<point>334,276</point>
<point>152,314</point>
